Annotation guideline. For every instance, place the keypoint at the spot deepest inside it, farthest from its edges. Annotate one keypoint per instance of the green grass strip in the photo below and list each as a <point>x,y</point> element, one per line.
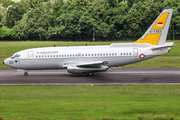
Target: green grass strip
<point>124,102</point>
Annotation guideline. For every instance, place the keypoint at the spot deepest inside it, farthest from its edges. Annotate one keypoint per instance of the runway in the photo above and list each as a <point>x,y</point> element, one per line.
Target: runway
<point>114,76</point>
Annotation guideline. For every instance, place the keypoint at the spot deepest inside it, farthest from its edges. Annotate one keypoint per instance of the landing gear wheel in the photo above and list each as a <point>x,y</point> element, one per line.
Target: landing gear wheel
<point>90,74</point>
<point>25,74</point>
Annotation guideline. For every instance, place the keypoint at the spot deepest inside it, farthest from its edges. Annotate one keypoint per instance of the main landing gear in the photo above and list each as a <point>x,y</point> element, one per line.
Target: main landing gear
<point>25,74</point>
<point>90,74</point>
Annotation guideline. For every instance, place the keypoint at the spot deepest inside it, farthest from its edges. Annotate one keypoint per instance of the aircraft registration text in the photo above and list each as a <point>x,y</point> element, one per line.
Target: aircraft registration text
<point>155,31</point>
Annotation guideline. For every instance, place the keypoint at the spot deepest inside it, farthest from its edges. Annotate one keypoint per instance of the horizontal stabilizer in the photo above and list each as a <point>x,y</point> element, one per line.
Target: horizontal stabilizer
<point>163,46</point>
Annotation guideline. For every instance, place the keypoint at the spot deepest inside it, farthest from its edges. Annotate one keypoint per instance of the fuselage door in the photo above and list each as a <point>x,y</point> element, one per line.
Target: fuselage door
<point>135,53</point>
<point>31,56</point>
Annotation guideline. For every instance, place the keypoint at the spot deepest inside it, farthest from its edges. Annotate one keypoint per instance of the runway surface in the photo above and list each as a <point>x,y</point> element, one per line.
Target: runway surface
<point>113,76</point>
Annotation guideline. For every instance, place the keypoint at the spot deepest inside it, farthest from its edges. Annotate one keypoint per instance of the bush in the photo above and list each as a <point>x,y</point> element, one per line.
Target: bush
<point>7,33</point>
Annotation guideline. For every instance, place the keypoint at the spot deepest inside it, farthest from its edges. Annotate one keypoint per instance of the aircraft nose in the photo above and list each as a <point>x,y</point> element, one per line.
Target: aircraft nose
<point>5,62</point>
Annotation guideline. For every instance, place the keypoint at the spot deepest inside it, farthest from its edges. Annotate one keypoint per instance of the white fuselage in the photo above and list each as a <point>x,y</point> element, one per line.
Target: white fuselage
<point>56,57</point>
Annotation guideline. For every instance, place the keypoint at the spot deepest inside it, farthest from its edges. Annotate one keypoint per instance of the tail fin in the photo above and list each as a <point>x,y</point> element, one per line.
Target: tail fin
<point>157,32</point>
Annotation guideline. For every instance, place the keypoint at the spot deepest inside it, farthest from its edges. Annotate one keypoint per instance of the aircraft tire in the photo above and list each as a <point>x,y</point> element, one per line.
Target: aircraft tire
<point>90,74</point>
<point>25,74</point>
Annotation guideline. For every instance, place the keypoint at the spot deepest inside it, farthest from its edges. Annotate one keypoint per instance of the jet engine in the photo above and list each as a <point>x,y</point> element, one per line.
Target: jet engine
<point>86,69</point>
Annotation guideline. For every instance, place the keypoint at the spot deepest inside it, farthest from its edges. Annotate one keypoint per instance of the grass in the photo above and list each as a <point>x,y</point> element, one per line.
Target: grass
<point>137,102</point>
<point>169,60</point>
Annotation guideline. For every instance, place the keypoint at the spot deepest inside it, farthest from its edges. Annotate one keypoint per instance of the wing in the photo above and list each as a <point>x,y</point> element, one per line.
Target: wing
<point>86,67</point>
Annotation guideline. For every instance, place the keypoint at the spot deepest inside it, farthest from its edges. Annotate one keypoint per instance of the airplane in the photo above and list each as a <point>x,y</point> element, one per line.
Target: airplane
<point>90,59</point>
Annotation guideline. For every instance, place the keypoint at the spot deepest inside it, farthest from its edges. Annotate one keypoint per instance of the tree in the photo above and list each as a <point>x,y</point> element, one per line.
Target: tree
<point>15,13</point>
<point>36,23</point>
<point>6,3</point>
<point>35,3</point>
<point>57,7</point>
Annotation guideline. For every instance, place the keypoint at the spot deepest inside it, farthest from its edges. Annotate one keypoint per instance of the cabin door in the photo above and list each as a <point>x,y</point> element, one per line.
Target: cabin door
<point>135,53</point>
<point>31,56</point>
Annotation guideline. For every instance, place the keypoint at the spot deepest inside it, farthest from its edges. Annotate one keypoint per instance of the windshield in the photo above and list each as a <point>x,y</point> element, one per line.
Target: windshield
<point>15,55</point>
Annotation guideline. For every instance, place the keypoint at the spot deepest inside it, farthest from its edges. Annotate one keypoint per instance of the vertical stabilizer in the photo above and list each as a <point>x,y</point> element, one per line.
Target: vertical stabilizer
<point>157,32</point>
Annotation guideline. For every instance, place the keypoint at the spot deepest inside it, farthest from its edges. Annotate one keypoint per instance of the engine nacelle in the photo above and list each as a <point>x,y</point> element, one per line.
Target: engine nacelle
<point>75,69</point>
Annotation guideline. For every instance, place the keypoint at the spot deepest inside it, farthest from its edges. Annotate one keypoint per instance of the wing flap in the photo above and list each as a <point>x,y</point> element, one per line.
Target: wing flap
<point>83,64</point>
<point>92,63</point>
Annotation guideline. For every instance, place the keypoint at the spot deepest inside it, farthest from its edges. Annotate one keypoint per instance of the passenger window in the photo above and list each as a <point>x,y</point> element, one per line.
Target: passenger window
<point>109,54</point>
<point>36,56</point>
<point>92,54</point>
<point>59,55</point>
<point>124,54</point>
<point>129,53</point>
<point>56,55</point>
<point>106,54</point>
<point>112,54</point>
<point>39,56</point>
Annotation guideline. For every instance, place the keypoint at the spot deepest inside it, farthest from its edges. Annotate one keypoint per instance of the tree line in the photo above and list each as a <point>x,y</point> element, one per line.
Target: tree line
<point>73,20</point>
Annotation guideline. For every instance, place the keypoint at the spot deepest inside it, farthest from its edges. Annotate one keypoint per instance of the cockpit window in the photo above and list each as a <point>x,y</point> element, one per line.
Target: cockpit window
<point>15,55</point>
